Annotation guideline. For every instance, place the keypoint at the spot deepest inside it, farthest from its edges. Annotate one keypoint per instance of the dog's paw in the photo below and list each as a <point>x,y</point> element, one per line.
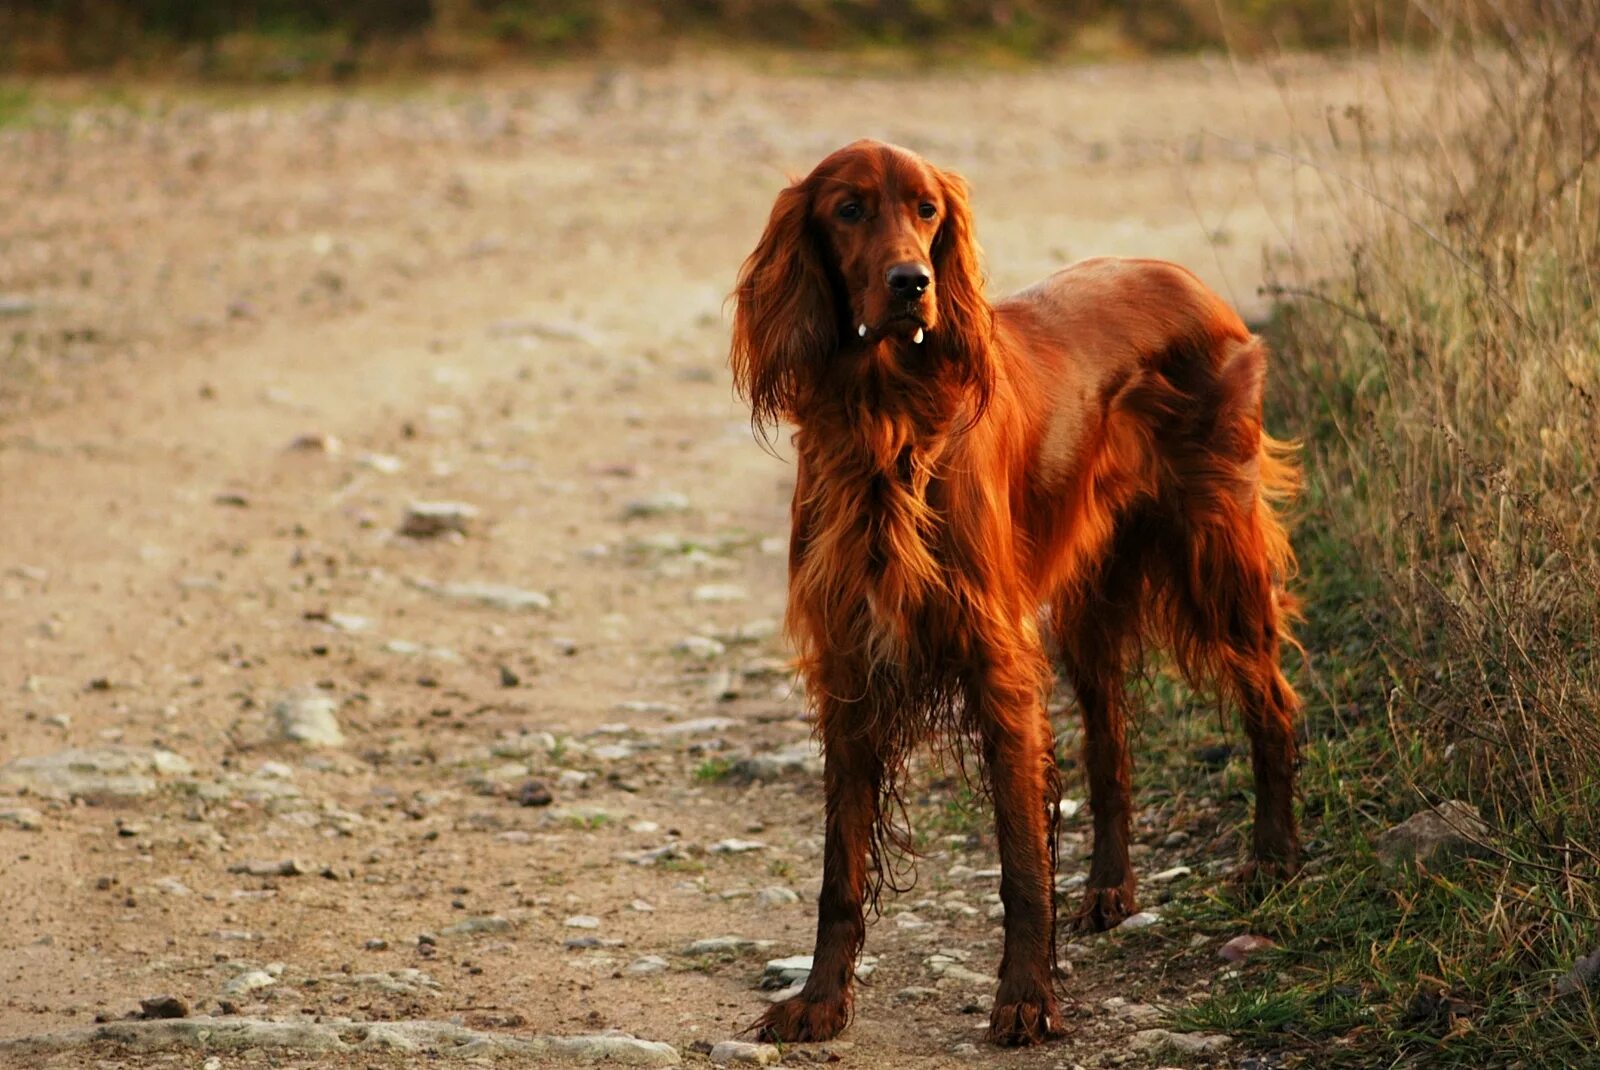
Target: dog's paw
<point>801,1021</point>
<point>1103,908</point>
<point>1264,873</point>
<point>1024,1016</point>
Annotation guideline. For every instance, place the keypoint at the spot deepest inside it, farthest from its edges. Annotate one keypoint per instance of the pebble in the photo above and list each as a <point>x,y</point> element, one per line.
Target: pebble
<point>534,793</point>
<point>288,867</point>
<point>701,647</point>
<point>1142,920</point>
<point>1242,947</point>
<point>736,847</point>
<point>492,923</point>
<point>1155,1040</point>
<point>309,719</point>
<point>582,921</point>
<point>646,965</point>
<point>106,774</point>
<point>22,817</point>
<point>426,520</point>
<point>660,504</point>
<point>163,1007</point>
<point>1453,827</point>
<point>776,896</point>
<point>743,1053</point>
<point>720,593</point>
<point>494,595</point>
<point>249,981</point>
<point>1168,875</point>
<point>714,945</point>
<point>804,758</point>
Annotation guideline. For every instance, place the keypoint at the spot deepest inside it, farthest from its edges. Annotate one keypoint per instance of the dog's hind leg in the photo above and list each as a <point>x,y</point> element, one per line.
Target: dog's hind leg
<point>1094,629</point>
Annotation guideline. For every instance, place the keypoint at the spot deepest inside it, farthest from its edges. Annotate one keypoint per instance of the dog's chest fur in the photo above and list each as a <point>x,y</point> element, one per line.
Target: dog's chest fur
<point>878,545</point>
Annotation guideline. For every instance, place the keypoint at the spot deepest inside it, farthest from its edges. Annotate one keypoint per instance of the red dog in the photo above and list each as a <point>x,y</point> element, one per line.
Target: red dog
<point>1092,445</point>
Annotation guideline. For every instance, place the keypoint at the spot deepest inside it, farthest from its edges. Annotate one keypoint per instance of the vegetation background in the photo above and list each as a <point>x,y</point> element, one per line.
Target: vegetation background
<point>1445,382</point>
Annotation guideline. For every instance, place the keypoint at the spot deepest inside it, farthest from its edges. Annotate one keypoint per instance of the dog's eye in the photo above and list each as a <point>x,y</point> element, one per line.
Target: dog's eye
<point>926,210</point>
<point>850,211</point>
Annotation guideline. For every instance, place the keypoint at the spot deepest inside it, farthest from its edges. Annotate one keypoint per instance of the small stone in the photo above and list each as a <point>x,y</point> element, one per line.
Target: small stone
<point>426,520</point>
<point>916,994</point>
<point>776,896</point>
<point>646,965</point>
<point>288,867</point>
<point>700,647</point>
<point>488,924</point>
<point>736,847</point>
<point>309,719</point>
<point>106,774</point>
<point>656,505</point>
<point>1142,920</point>
<point>316,442</point>
<point>163,1007</point>
<point>1156,1040</point>
<point>1242,947</point>
<point>1167,876</point>
<point>722,945</point>
<point>534,793</point>
<point>494,595</point>
<point>376,944</point>
<point>720,593</point>
<point>743,1053</point>
<point>1451,828</point>
<point>803,758</point>
<point>249,981</point>
<point>22,817</point>
<point>509,677</point>
<point>582,921</point>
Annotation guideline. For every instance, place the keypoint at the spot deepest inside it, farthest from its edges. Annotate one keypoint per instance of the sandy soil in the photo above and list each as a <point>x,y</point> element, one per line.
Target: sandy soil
<point>508,294</point>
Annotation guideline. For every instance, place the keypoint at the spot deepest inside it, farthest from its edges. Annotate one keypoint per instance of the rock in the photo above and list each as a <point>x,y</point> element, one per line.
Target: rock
<point>1167,876</point>
<point>1157,1040</point>
<point>647,964</point>
<point>963,977</point>
<point>289,867</point>
<point>742,1053</point>
<point>440,1039</point>
<point>699,647</point>
<point>1584,974</point>
<point>492,923</point>
<point>1242,947</point>
<point>25,818</point>
<point>534,793</point>
<point>1451,828</point>
<point>698,727</point>
<point>582,921</point>
<point>803,758</point>
<point>720,592</point>
<point>736,847</point>
<point>163,1007</point>
<point>105,774</point>
<point>724,945</point>
<point>249,981</point>
<point>425,520</point>
<point>493,595</point>
<point>16,305</point>
<point>776,896</point>
<point>316,442</point>
<point>666,501</point>
<point>1142,920</point>
<point>916,994</point>
<point>309,719</point>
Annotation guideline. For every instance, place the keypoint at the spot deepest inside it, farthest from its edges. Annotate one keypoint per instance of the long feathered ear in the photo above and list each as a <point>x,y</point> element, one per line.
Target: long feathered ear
<point>966,322</point>
<point>783,322</point>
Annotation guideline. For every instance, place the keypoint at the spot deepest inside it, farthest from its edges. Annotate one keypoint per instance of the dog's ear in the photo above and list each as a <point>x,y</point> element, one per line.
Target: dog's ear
<point>783,322</point>
<point>965,319</point>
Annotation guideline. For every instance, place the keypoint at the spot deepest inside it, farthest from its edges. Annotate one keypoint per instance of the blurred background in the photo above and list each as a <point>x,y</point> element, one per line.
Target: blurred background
<point>390,585</point>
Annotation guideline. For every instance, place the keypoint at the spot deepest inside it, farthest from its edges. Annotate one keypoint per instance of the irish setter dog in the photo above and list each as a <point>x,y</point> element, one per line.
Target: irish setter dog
<point>1091,448</point>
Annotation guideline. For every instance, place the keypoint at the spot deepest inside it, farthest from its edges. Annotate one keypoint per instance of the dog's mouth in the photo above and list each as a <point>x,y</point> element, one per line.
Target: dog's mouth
<point>909,324</point>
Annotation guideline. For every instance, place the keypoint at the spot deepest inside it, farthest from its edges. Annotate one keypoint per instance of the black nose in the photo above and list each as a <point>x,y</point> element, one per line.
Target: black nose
<point>908,280</point>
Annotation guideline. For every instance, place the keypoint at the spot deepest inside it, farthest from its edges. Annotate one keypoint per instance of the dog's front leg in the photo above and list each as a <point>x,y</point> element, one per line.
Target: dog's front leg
<point>1019,752</point>
<point>852,775</point>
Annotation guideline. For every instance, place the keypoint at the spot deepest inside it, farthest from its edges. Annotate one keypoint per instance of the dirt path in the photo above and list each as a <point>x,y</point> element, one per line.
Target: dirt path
<point>507,295</point>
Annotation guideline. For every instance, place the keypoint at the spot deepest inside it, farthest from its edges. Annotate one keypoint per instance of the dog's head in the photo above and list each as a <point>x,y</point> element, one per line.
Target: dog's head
<point>870,257</point>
